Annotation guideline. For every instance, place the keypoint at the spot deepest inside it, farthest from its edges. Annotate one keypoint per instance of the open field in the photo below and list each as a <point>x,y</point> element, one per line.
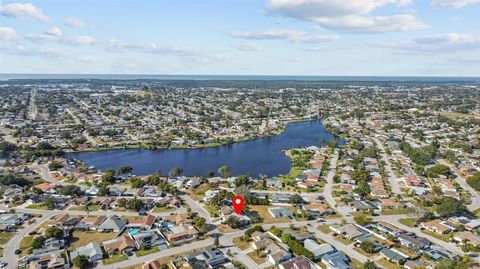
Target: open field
<point>80,238</point>
<point>266,216</point>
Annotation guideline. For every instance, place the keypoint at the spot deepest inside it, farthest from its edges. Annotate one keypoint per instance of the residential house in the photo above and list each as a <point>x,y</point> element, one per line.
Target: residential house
<point>350,231</point>
<point>64,221</point>
<point>276,251</point>
<point>394,255</point>
<point>13,218</point>
<point>317,249</point>
<point>299,262</point>
<point>90,222</point>
<point>112,224</point>
<point>148,239</point>
<point>336,260</point>
<point>365,206</point>
<point>208,258</point>
<point>123,244</point>
<point>467,237</point>
<point>437,226</point>
<point>93,251</point>
<point>413,242</point>
<point>179,234</point>
<point>280,212</point>
<point>143,223</point>
<point>50,261</point>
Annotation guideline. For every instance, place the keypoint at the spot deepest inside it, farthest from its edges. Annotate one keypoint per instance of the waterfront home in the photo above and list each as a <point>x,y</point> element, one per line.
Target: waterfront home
<point>93,251</point>
<point>209,194</point>
<point>122,244</point>
<point>112,224</point>
<point>280,212</point>
<point>299,262</point>
<point>318,250</point>
<point>274,183</point>
<point>336,260</point>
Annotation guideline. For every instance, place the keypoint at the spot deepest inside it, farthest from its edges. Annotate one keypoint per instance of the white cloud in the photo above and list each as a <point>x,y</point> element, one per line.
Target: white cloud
<point>23,10</point>
<point>32,51</point>
<point>56,36</point>
<point>290,35</point>
<point>378,24</point>
<point>453,3</point>
<point>346,15</point>
<point>75,22</point>
<point>7,34</point>
<point>54,31</point>
<point>114,45</point>
<point>250,46</point>
<point>435,43</point>
<point>79,40</point>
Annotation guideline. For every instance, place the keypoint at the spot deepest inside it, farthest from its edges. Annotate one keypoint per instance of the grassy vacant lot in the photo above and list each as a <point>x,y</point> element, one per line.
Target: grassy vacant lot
<point>25,244</point>
<point>265,215</point>
<point>242,244</point>
<point>115,259</point>
<point>324,229</point>
<point>162,209</point>
<point>80,238</point>
<point>143,252</point>
<point>197,194</point>
<point>398,211</point>
<point>84,208</point>
<point>5,237</point>
<point>366,254</point>
<point>355,264</point>
<point>342,240</point>
<point>225,228</point>
<point>37,206</point>
<point>258,258</point>
<point>408,222</point>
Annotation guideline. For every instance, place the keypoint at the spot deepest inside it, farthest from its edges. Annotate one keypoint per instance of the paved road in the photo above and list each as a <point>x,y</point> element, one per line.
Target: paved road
<point>198,208</point>
<point>9,255</point>
<point>327,189</point>
<point>45,174</point>
<point>475,197</point>
<point>390,174</point>
<point>347,249</point>
<point>395,221</point>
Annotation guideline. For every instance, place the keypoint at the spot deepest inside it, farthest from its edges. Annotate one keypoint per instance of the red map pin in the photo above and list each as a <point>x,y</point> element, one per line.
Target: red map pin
<point>238,202</point>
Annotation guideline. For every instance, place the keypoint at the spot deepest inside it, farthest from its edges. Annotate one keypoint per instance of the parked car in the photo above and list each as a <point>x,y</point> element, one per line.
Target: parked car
<point>17,251</point>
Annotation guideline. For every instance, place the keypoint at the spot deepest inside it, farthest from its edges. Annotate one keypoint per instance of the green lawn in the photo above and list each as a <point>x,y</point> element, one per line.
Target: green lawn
<point>5,237</point>
<point>197,193</point>
<point>84,208</point>
<point>37,206</point>
<point>398,211</point>
<point>387,265</point>
<point>443,237</point>
<point>410,222</point>
<point>144,252</point>
<point>162,209</point>
<point>25,244</point>
<point>115,259</point>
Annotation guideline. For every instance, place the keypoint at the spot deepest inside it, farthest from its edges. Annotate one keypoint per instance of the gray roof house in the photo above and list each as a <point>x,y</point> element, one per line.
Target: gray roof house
<point>318,250</point>
<point>280,212</point>
<point>413,242</point>
<point>93,251</point>
<point>336,260</point>
<point>393,255</point>
<point>112,224</point>
<point>13,219</point>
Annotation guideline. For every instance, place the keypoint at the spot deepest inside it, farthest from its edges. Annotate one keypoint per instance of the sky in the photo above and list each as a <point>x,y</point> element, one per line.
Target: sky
<point>242,37</point>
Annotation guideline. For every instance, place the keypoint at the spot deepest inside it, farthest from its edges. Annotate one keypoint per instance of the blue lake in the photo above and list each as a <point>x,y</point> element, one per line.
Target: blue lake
<point>254,157</point>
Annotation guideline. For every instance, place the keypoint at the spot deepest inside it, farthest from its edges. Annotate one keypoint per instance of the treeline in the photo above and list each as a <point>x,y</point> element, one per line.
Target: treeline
<point>422,155</point>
